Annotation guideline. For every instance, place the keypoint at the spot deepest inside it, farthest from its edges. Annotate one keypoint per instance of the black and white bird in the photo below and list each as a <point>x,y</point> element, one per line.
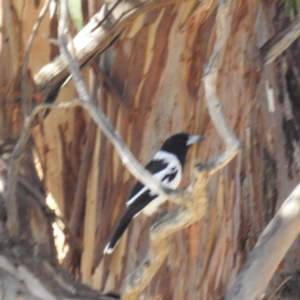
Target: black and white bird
<point>166,167</point>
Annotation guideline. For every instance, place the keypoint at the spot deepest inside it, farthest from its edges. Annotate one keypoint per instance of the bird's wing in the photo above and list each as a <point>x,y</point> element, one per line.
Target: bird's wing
<point>163,169</point>
<point>154,166</point>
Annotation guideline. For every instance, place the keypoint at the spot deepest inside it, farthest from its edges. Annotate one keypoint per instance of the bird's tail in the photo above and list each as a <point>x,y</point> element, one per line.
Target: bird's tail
<point>132,210</point>
<point>122,226</point>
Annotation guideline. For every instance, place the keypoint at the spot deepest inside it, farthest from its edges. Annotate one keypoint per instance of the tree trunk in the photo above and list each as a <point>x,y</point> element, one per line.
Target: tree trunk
<point>149,84</point>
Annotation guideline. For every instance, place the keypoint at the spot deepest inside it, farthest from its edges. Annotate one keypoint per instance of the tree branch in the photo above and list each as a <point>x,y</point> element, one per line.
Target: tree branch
<point>14,164</point>
<point>232,143</point>
<point>93,39</point>
<point>41,281</point>
<point>269,250</point>
<point>280,42</point>
<point>168,224</point>
<point>103,122</point>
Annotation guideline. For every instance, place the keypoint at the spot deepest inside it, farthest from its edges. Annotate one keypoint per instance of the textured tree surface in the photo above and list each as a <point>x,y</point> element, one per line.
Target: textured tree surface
<point>149,84</point>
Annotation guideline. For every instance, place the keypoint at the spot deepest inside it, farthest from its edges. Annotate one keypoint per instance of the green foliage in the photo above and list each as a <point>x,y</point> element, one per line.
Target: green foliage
<point>75,10</point>
<point>297,2</point>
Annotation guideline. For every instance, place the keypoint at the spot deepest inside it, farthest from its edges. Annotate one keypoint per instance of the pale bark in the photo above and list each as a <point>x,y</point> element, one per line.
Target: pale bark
<point>272,245</point>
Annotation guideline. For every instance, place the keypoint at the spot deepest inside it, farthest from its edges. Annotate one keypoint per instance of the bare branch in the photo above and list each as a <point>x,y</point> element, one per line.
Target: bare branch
<point>168,224</point>
<point>40,280</point>
<point>103,122</point>
<point>94,38</point>
<point>10,196</point>
<point>280,42</point>
<point>232,143</point>
<point>269,250</point>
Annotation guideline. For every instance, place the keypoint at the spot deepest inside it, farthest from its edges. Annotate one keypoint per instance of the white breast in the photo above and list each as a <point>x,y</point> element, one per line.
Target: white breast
<point>173,166</point>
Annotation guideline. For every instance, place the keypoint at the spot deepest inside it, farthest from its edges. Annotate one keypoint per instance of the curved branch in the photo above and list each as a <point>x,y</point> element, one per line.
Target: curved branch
<point>168,224</point>
<point>232,143</point>
<point>10,194</point>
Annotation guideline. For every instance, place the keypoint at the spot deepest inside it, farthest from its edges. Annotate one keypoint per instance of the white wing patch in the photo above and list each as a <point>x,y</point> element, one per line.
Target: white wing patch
<point>173,166</point>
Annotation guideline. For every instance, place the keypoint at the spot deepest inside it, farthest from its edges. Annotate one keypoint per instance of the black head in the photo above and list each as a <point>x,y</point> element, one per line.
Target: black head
<point>179,144</point>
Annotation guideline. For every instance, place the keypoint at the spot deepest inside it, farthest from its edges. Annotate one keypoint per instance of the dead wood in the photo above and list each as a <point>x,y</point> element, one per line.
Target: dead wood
<point>101,31</point>
<point>280,42</point>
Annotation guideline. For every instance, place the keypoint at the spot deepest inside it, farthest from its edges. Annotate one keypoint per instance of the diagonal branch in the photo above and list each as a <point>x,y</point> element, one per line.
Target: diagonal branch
<point>16,156</point>
<point>269,250</point>
<point>168,224</point>
<point>101,31</point>
<point>103,122</point>
<point>280,42</point>
<point>40,280</point>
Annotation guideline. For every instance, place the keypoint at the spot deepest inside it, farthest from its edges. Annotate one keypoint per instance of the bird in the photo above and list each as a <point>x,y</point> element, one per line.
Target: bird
<point>166,167</point>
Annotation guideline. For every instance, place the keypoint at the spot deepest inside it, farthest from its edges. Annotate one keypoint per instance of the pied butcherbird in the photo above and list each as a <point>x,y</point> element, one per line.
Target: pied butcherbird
<point>166,167</point>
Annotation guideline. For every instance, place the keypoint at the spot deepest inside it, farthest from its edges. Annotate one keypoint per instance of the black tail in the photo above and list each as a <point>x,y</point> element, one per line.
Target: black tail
<point>132,210</point>
<point>122,226</point>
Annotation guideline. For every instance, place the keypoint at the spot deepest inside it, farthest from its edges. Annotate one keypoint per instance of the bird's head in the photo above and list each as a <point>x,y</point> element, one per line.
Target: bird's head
<point>179,144</point>
<point>182,140</point>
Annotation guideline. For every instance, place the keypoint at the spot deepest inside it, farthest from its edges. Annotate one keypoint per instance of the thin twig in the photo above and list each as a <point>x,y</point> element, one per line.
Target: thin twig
<point>11,205</point>
<point>107,14</point>
<point>26,57</point>
<point>279,287</point>
<point>107,81</point>
<point>10,195</point>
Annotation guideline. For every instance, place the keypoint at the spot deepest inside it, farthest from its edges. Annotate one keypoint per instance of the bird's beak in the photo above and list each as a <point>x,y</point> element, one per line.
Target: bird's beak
<point>194,139</point>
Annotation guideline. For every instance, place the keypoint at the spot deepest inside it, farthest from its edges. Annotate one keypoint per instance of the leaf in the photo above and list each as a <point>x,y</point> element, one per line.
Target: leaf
<point>75,10</point>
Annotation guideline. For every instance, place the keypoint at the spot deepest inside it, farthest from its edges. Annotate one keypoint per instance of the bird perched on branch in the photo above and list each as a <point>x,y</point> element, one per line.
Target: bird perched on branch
<point>166,167</point>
